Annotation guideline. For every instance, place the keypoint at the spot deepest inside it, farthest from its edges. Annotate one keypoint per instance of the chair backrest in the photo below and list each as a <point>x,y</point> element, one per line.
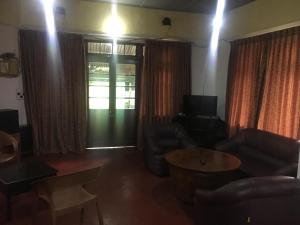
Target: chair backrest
<point>57,183</point>
<point>7,140</point>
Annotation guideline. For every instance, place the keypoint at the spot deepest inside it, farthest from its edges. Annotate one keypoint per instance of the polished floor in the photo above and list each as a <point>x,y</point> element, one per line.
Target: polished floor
<point>129,193</point>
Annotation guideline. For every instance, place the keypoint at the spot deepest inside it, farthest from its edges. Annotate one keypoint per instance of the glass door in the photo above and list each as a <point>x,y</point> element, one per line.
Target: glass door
<point>112,95</point>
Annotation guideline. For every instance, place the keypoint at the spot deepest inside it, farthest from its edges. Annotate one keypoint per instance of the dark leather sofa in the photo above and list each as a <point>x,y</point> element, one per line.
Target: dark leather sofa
<point>160,139</point>
<point>205,130</point>
<point>263,153</point>
<point>258,201</point>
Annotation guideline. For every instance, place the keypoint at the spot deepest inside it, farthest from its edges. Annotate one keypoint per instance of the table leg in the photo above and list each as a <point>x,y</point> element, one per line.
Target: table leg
<point>8,207</point>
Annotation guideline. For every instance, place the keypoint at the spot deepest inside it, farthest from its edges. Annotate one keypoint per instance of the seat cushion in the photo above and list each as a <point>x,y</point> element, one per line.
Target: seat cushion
<point>70,198</point>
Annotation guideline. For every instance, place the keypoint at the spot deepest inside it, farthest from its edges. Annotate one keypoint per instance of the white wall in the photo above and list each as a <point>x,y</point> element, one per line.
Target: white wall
<point>208,77</point>
<point>9,86</point>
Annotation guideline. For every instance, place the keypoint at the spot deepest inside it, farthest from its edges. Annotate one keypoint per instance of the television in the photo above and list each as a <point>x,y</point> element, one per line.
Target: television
<point>201,105</point>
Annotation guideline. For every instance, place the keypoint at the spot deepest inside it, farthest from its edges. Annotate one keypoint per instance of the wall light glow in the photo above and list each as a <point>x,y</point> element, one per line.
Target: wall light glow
<point>49,16</point>
<point>114,25</point>
<point>217,24</point>
<point>211,62</point>
<point>54,63</point>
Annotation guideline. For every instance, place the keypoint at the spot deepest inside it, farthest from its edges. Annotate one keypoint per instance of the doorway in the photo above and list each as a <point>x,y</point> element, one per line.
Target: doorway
<point>112,77</point>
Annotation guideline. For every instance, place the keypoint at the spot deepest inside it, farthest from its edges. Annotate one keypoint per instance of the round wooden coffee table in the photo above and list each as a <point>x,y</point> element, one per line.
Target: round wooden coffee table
<point>200,168</point>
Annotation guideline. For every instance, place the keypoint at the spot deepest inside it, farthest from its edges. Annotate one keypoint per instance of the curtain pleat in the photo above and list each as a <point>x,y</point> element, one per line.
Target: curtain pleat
<point>245,81</point>
<point>55,90</point>
<point>264,83</point>
<point>280,111</point>
<point>165,79</point>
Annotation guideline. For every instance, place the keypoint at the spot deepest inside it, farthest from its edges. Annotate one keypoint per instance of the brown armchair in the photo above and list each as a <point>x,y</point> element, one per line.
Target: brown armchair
<point>161,139</point>
<point>9,148</point>
<point>271,200</point>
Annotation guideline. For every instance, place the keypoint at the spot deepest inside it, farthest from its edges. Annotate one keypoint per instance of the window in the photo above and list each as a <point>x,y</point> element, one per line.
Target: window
<point>112,80</point>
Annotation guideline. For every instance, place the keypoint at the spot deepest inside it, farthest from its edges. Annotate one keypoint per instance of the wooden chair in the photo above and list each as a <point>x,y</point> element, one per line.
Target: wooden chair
<point>9,148</point>
<point>67,193</point>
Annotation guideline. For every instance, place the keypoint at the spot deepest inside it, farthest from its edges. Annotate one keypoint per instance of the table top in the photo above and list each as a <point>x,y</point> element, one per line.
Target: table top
<point>25,171</point>
<point>203,160</point>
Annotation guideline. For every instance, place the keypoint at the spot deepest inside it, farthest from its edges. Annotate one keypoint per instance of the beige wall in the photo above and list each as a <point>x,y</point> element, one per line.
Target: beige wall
<point>9,12</point>
<point>261,16</point>
<point>10,86</point>
<point>211,82</point>
<point>89,17</point>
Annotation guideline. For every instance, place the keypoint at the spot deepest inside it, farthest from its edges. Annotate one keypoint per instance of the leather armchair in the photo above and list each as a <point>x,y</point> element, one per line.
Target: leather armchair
<point>160,139</point>
<point>263,153</point>
<point>271,200</point>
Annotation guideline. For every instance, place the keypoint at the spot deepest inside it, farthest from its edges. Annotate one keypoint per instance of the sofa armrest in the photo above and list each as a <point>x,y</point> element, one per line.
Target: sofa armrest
<point>251,188</point>
<point>290,170</point>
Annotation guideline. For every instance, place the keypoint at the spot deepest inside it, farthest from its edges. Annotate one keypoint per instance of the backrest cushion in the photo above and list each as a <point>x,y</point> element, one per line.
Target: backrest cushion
<point>272,144</point>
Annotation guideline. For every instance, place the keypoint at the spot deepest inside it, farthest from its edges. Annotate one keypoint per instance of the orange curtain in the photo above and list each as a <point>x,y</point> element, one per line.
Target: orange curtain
<point>264,83</point>
<point>280,111</point>
<point>245,79</point>
<point>165,79</point>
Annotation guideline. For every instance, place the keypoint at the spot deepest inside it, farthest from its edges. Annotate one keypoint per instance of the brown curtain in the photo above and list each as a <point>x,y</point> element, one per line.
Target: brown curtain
<point>264,83</point>
<point>245,81</point>
<point>55,90</point>
<point>165,79</point>
<point>280,112</point>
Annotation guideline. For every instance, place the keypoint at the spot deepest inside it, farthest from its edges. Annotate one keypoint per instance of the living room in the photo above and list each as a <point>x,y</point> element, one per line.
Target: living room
<point>132,194</point>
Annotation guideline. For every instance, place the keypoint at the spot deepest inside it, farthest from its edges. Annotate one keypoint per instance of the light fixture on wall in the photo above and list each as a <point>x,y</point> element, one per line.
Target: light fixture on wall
<point>166,21</point>
<point>114,25</point>
<point>209,69</point>
<point>49,16</point>
<point>217,24</point>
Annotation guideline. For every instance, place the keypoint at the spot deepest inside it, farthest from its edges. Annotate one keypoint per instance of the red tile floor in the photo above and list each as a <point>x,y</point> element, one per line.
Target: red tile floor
<point>129,193</point>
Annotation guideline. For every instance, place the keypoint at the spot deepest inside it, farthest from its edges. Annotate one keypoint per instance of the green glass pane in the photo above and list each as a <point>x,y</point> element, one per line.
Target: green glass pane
<point>125,103</point>
<point>126,69</point>
<point>98,103</point>
<point>98,73</point>
<point>98,91</point>
<point>125,81</point>
<point>125,92</point>
<point>98,68</point>
<point>98,85</point>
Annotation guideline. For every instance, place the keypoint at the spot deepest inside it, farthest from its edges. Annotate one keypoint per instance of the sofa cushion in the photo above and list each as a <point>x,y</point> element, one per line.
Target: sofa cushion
<point>255,168</point>
<point>256,163</point>
<point>255,154</point>
<point>272,144</point>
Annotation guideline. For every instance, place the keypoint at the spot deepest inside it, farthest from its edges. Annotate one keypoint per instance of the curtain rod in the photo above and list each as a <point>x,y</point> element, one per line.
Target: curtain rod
<point>266,31</point>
